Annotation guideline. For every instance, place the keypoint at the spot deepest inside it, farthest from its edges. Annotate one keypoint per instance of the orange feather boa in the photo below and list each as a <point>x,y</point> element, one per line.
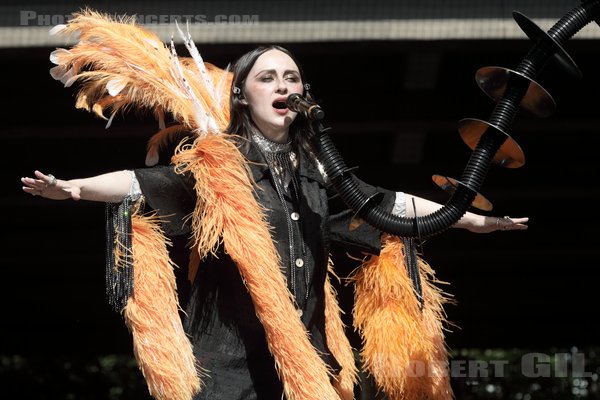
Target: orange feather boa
<point>228,211</point>
<point>403,346</point>
<point>161,347</point>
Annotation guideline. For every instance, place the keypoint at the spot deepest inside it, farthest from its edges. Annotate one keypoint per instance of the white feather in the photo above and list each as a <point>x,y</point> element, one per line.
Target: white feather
<point>61,73</point>
<point>152,43</point>
<point>191,47</point>
<point>114,86</point>
<point>55,55</point>
<point>110,120</point>
<point>203,118</point>
<point>57,30</point>
<point>221,85</point>
<point>70,81</point>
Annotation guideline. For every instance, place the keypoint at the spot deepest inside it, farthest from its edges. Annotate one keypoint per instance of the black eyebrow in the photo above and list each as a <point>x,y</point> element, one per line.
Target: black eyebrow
<point>272,71</point>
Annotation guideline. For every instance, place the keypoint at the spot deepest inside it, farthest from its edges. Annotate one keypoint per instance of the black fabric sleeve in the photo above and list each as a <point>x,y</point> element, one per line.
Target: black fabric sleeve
<point>171,195</point>
<point>365,238</point>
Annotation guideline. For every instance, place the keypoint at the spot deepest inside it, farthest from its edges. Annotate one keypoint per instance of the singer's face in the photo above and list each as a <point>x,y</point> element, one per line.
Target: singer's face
<point>271,80</point>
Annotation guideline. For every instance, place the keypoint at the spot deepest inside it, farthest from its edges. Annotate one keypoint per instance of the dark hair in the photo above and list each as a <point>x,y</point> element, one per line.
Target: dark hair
<point>240,122</point>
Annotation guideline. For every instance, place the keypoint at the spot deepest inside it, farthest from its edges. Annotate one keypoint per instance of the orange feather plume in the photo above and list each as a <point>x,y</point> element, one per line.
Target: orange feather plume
<point>161,139</point>
<point>120,65</point>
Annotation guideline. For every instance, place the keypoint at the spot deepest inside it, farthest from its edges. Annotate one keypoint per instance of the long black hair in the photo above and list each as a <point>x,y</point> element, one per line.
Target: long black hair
<point>240,121</point>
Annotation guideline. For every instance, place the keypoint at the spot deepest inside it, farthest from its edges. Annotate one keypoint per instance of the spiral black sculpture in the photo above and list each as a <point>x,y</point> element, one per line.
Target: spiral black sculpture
<point>489,140</point>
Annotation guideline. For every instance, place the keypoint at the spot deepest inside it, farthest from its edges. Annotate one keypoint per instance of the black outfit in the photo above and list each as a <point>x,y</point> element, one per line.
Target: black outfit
<point>229,341</point>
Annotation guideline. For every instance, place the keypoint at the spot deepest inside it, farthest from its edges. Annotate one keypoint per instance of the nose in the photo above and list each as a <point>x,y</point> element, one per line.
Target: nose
<point>281,86</point>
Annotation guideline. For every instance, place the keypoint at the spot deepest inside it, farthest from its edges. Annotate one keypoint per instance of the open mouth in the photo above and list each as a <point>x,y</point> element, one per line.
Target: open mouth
<point>280,105</point>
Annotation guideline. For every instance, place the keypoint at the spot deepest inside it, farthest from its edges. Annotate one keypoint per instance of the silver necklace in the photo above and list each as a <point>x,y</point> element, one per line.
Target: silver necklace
<point>283,163</point>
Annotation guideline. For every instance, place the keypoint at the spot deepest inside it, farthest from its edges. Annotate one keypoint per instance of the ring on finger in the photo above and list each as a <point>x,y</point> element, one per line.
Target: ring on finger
<point>52,181</point>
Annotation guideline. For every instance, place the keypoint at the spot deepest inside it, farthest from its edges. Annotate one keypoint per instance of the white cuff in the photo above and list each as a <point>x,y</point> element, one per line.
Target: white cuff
<point>135,192</point>
<point>399,208</point>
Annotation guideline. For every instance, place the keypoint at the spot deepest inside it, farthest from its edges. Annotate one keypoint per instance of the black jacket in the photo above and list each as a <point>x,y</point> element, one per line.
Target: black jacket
<point>229,341</point>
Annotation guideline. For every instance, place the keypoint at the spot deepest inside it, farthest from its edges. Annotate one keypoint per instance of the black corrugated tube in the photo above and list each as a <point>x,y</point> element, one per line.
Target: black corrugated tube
<point>572,22</point>
<point>367,209</point>
<point>480,161</point>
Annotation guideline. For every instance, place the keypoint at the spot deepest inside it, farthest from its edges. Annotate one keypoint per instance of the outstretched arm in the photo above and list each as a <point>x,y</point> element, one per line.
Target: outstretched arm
<point>111,187</point>
<point>473,222</point>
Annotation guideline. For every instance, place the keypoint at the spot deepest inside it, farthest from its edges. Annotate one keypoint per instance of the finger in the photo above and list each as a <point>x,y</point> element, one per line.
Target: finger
<point>519,227</point>
<point>506,222</point>
<point>517,220</point>
<point>35,183</point>
<point>515,226</point>
<point>520,222</point>
<point>31,182</point>
<point>45,178</point>
<point>32,191</point>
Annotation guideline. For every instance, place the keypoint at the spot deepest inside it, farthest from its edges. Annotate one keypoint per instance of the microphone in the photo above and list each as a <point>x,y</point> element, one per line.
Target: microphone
<point>297,103</point>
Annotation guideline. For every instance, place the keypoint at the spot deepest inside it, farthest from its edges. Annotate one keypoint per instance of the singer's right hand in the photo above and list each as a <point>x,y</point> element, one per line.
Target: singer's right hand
<point>49,187</point>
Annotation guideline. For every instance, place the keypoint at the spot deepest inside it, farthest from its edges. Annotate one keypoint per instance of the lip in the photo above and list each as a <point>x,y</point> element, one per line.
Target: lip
<point>280,111</point>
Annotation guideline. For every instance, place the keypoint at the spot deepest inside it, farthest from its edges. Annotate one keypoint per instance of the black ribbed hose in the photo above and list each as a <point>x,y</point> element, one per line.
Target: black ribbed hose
<point>573,21</point>
<point>481,158</point>
<point>343,181</point>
